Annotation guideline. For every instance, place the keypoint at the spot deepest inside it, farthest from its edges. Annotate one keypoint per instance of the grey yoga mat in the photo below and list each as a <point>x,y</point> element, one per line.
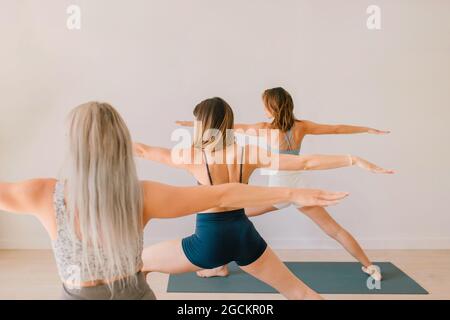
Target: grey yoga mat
<point>324,277</point>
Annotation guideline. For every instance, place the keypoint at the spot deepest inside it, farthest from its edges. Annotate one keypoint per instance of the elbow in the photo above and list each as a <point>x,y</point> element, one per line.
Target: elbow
<point>309,164</point>
<point>338,130</point>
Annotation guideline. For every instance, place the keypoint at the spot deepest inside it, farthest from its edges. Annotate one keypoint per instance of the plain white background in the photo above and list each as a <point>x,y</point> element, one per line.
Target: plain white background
<point>154,60</point>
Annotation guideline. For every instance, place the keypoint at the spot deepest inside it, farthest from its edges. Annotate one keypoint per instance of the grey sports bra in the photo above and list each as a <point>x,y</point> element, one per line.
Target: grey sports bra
<point>289,139</point>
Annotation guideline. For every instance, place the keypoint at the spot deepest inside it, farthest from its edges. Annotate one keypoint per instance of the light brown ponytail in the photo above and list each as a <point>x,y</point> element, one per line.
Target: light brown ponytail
<point>279,102</point>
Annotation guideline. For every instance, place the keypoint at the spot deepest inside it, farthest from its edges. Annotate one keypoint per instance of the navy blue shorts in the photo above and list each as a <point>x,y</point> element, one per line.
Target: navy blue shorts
<point>221,238</point>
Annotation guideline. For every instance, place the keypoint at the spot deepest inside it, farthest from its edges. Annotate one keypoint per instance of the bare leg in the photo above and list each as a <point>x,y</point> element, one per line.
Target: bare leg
<point>323,219</point>
<point>271,270</point>
<point>223,270</point>
<point>166,257</point>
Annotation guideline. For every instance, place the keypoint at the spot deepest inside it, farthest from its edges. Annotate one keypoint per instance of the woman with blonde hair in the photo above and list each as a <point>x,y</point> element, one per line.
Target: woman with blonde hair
<point>223,233</point>
<point>95,216</point>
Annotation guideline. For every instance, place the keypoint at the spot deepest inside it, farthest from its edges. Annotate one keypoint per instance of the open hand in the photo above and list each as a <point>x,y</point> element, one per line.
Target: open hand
<point>315,197</point>
<point>364,164</point>
<point>376,131</point>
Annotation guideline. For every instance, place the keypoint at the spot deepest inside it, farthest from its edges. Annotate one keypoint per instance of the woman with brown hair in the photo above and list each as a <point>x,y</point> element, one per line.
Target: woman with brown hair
<point>289,133</point>
<point>215,159</point>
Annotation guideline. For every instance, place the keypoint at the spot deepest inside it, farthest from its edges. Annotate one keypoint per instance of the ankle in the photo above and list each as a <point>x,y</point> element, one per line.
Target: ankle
<point>312,295</point>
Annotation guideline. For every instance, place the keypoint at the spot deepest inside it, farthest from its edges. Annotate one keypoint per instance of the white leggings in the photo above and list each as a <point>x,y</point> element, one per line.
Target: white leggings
<point>287,179</point>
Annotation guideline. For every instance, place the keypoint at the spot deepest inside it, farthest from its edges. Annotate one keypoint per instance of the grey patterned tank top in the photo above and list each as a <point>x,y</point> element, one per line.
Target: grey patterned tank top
<point>67,249</point>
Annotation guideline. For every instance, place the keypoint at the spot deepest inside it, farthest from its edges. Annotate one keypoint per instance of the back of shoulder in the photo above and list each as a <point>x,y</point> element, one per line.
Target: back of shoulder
<point>36,189</point>
<point>304,126</point>
<point>30,196</point>
<point>41,191</point>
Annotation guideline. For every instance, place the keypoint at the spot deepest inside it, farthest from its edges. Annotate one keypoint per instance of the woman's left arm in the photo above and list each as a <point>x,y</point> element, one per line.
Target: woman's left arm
<point>313,162</point>
<point>316,129</point>
<point>324,162</point>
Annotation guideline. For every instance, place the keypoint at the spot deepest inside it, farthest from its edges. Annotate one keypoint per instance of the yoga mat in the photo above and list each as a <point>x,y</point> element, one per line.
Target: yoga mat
<point>324,277</point>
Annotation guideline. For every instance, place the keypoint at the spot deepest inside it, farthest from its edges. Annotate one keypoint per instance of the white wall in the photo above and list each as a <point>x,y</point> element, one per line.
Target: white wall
<point>155,60</point>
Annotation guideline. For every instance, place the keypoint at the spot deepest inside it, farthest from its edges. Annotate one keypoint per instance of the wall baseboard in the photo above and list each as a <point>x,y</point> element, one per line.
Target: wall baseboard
<point>277,243</point>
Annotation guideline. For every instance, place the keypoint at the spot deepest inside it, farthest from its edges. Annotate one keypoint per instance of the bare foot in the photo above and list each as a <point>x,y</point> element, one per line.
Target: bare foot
<point>373,271</point>
<point>216,272</point>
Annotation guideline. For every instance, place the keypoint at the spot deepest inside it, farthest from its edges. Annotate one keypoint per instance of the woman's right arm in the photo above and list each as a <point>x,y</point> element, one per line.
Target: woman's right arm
<point>237,126</point>
<point>325,162</point>
<point>157,154</point>
<point>253,126</point>
<point>27,197</point>
<point>165,201</point>
<point>269,160</point>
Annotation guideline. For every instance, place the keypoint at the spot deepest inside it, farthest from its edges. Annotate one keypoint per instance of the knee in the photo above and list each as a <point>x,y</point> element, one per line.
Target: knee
<point>146,269</point>
<point>148,264</point>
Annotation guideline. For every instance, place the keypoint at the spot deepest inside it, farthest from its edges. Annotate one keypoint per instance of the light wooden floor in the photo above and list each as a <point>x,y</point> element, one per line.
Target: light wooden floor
<point>31,274</point>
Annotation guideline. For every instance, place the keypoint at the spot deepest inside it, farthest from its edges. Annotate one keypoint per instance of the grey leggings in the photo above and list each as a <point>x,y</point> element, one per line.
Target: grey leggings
<point>102,292</point>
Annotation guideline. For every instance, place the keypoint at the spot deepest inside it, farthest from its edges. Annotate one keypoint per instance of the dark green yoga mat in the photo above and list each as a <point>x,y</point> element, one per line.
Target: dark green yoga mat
<point>324,277</point>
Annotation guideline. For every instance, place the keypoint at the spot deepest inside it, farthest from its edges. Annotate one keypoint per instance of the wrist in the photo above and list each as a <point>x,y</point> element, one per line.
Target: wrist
<point>143,151</point>
<point>290,195</point>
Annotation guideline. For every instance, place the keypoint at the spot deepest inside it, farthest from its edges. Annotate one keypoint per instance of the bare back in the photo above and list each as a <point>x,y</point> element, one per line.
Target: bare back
<point>223,166</point>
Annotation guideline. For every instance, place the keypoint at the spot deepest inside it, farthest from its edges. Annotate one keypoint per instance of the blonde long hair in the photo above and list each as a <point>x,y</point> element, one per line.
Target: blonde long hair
<point>103,192</point>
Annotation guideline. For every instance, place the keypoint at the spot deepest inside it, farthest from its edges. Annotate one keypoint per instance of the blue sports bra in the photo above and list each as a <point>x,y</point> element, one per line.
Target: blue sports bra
<point>289,138</point>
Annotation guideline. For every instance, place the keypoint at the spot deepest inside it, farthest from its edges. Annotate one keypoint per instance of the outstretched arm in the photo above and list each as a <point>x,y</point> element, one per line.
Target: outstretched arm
<point>324,162</point>
<point>254,126</point>
<point>185,123</point>
<point>237,126</point>
<point>28,197</point>
<point>313,162</point>
<point>165,201</point>
<point>316,128</point>
<point>157,154</point>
